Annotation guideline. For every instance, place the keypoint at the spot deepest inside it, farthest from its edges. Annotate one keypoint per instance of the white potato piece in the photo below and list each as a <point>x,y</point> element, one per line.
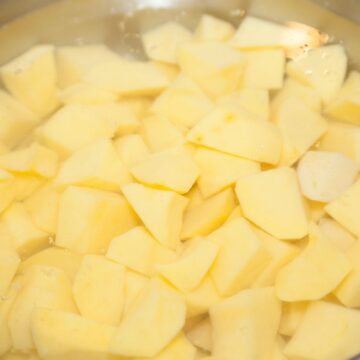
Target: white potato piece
<point>211,28</point>
<point>323,176</point>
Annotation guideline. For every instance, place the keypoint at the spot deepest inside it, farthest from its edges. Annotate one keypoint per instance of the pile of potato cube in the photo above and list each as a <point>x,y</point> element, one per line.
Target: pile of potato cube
<point>202,204</point>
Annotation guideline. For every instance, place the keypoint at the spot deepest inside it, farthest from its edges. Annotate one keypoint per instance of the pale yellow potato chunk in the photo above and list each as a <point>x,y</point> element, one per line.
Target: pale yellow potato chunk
<point>100,215</point>
<point>134,285</point>
<point>241,257</point>
<point>165,223</point>
<point>327,332</point>
<point>291,317</point>
<point>211,28</point>
<point>215,66</point>
<point>62,335</point>
<point>161,42</point>
<point>272,200</point>
<point>200,335</point>
<point>99,289</point>
<point>25,185</point>
<point>258,311</point>
<point>7,191</point>
<point>315,273</point>
<point>9,263</point>
<point>32,78</point>
<point>239,134</point>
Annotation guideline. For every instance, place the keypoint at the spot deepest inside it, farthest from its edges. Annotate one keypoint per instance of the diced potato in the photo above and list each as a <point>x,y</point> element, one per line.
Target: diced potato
<point>215,66</point>
<point>25,185</point>
<point>343,138</point>
<point>293,88</point>
<point>42,207</point>
<point>82,93</point>
<point>315,210</point>
<point>346,107</point>
<point>199,301</point>
<point>211,28</point>
<point>291,317</point>
<point>172,169</point>
<point>195,197</point>
<point>313,274</point>
<point>183,103</point>
<point>134,285</point>
<point>16,120</point>
<point>201,335</point>
<point>254,101</point>
<point>336,234</point>
<point>99,215</point>
<point>324,176</point>
<point>73,62</point>
<point>327,331</point>
<point>241,321</point>
<point>45,286</point>
<point>300,126</point>
<point>241,257</point>
<point>161,42</point>
<point>272,200</point>
<point>151,324</point>
<point>32,78</point>
<point>7,191</point>
<point>139,105</point>
<point>265,69</point>
<point>137,250</point>
<point>209,215</point>
<point>9,263</point>
<point>25,236</point>
<point>278,352</point>
<point>131,149</point>
<point>56,257</point>
<point>281,254</point>
<point>235,214</point>
<point>324,69</point>
<point>96,165</point>
<point>63,335</point>
<point>35,159</point>
<point>170,71</point>
<point>164,223</point>
<point>159,133</point>
<point>3,148</point>
<point>219,170</point>
<point>128,77</point>
<point>345,209</point>
<point>187,272</point>
<point>99,289</point>
<point>349,290</point>
<point>237,133</point>
<point>255,33</point>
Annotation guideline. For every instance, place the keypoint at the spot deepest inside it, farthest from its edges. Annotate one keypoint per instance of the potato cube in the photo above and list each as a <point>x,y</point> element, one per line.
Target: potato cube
<point>209,215</point>
<point>172,169</point>
<point>56,257</point>
<point>134,285</point>
<point>151,324</point>
<point>272,200</point>
<point>89,219</point>
<point>164,223</point>
<point>159,133</point>
<point>195,197</point>
<point>211,28</point>
<point>241,257</point>
<point>254,101</point>
<point>126,77</point>
<point>187,272</point>
<point>316,272</point>
<point>9,263</point>
<point>327,331</point>
<point>345,208</point>
<point>278,352</point>
<point>25,236</point>
<point>346,107</point>
<point>343,138</point>
<point>45,286</point>
<point>301,127</point>
<point>16,120</point>
<point>63,335</point>
<point>161,42</point>
<point>215,66</point>
<point>32,79</point>
<point>139,105</point>
<point>7,191</point>
<point>324,69</point>
<point>241,320</point>
<point>200,335</point>
<point>265,69</point>
<point>96,165</point>
<point>25,185</point>
<point>73,62</point>
<point>219,170</point>
<point>291,317</point>
<point>99,289</point>
<point>183,103</point>
<point>239,134</point>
